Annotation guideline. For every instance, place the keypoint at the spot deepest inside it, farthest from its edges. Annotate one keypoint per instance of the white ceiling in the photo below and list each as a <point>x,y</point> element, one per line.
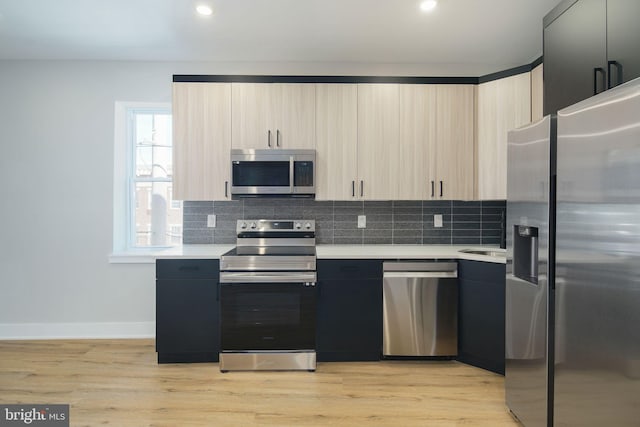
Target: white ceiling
<point>477,36</point>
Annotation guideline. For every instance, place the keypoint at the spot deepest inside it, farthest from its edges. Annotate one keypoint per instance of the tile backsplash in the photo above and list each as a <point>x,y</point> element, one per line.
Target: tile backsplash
<point>388,222</point>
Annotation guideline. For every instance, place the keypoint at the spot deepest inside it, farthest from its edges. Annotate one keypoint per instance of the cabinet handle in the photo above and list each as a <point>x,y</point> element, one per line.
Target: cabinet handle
<point>277,137</point>
<point>440,188</point>
<point>595,79</point>
<point>353,189</point>
<point>226,189</point>
<point>361,188</point>
<point>269,138</point>
<point>618,72</point>
<point>217,291</point>
<point>433,188</point>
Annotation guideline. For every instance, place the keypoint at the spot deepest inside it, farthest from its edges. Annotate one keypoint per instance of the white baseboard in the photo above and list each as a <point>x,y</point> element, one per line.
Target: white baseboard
<point>46,331</point>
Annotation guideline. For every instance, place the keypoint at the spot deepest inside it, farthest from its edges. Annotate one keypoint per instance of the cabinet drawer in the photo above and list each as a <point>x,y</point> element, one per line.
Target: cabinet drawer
<point>187,269</point>
<point>349,269</point>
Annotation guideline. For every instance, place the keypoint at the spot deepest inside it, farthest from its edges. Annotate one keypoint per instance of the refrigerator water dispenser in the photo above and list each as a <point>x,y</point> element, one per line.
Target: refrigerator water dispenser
<point>525,253</point>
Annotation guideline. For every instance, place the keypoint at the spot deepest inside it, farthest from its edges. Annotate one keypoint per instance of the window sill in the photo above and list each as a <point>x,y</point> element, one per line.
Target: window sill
<point>150,255</point>
<point>143,256</point>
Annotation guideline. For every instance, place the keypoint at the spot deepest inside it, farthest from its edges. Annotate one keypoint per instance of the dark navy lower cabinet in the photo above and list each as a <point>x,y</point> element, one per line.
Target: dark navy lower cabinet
<point>187,310</point>
<point>481,314</point>
<point>349,319</point>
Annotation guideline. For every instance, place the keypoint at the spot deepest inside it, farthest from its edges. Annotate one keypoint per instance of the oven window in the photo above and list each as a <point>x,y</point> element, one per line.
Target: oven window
<point>267,316</point>
<point>257,308</point>
<point>260,174</point>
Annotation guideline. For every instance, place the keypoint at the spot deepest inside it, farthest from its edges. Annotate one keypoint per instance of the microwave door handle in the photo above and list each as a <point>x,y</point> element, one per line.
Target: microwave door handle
<point>291,163</point>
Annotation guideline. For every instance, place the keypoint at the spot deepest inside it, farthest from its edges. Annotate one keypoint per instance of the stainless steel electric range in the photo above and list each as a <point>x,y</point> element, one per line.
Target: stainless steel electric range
<point>268,297</point>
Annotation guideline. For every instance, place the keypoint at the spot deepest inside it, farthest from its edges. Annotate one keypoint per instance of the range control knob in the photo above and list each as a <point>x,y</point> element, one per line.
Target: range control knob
<point>307,226</point>
<point>298,226</point>
<point>253,225</point>
<point>243,225</point>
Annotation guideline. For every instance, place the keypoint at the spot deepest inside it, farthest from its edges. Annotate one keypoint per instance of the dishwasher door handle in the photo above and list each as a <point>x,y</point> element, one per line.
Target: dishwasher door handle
<point>418,274</point>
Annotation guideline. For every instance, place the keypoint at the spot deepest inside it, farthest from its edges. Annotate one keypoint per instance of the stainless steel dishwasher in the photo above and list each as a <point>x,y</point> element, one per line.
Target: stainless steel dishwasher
<point>420,309</point>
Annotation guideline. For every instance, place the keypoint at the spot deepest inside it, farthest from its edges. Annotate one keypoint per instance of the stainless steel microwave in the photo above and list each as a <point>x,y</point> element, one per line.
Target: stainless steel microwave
<point>275,173</point>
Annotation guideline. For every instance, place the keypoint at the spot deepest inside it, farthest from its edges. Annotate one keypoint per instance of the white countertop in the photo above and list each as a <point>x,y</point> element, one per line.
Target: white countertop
<point>144,255</point>
<point>323,251</point>
<point>406,252</point>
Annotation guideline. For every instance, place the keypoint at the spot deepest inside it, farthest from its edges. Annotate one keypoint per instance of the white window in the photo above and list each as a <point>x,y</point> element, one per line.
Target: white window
<point>145,214</point>
<point>175,204</point>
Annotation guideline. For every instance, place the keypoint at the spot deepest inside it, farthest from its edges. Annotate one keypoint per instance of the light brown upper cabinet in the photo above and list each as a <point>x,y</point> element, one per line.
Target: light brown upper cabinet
<point>537,91</point>
<point>336,141</point>
<point>435,149</point>
<point>381,141</point>
<point>416,142</point>
<point>394,141</point>
<point>452,170</point>
<point>374,141</point>
<point>378,144</point>
<point>273,115</point>
<point>201,141</point>
<point>503,105</point>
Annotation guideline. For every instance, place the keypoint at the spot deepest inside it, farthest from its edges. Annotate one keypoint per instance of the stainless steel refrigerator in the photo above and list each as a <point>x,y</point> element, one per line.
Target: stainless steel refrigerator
<point>573,265</point>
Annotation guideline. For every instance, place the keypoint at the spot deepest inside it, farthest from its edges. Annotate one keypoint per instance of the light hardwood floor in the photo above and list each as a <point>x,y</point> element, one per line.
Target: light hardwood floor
<point>118,382</point>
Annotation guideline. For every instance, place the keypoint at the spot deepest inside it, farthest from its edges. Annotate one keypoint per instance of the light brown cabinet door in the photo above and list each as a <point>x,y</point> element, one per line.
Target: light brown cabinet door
<point>454,168</point>
<point>378,140</point>
<point>254,106</point>
<point>416,143</point>
<point>201,140</point>
<point>336,141</point>
<point>273,115</point>
<point>503,105</point>
<point>537,92</point>
<point>488,142</point>
<point>295,121</point>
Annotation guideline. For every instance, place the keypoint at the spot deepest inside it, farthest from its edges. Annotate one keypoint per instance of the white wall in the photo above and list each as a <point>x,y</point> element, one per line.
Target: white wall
<point>56,190</point>
<point>56,170</point>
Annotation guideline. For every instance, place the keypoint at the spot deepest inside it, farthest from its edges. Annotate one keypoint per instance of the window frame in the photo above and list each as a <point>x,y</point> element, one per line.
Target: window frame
<point>125,176</point>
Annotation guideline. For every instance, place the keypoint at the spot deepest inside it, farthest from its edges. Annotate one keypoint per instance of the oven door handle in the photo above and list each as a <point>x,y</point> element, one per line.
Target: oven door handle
<point>267,277</point>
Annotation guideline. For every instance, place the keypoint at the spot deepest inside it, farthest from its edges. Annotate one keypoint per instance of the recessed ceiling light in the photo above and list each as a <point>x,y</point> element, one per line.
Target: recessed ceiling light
<point>428,5</point>
<point>205,10</point>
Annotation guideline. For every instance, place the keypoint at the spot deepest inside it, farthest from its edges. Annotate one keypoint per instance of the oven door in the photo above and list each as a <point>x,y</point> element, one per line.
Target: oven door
<point>267,311</point>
